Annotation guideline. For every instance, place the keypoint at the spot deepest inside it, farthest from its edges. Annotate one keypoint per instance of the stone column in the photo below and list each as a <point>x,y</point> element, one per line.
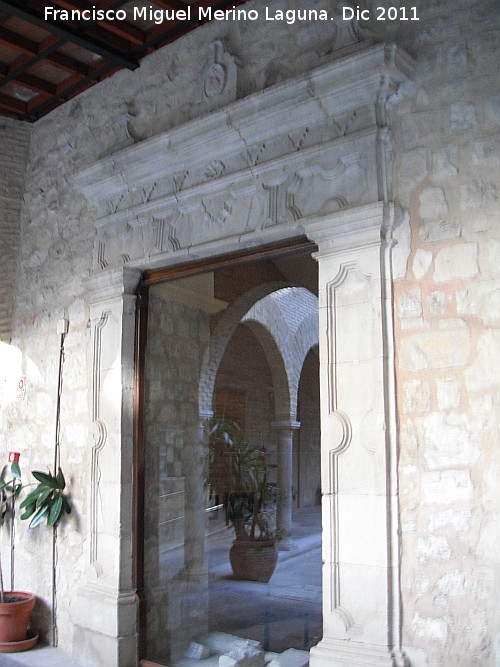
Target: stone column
<point>285,430</point>
<point>361,590</point>
<point>105,618</point>
<point>195,525</point>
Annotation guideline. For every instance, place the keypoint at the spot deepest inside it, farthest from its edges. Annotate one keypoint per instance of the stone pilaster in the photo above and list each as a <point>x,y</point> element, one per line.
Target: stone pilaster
<point>105,619</point>
<point>361,613</point>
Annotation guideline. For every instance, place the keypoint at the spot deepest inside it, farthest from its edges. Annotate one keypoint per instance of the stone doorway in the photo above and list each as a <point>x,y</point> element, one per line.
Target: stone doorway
<point>242,331</point>
<point>327,175</point>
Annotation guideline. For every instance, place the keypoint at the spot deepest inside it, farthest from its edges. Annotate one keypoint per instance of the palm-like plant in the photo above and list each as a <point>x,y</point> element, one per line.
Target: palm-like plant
<point>239,473</point>
<point>47,500</point>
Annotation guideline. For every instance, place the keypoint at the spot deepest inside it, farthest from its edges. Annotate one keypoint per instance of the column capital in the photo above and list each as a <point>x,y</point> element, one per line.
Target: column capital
<point>111,284</point>
<point>352,229</point>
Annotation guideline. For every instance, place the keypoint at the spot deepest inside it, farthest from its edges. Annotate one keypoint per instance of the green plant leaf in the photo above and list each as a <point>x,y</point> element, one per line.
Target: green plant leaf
<point>39,517</point>
<point>61,482</point>
<point>42,498</point>
<point>29,506</point>
<point>44,478</point>
<point>16,470</point>
<point>32,496</point>
<point>55,511</point>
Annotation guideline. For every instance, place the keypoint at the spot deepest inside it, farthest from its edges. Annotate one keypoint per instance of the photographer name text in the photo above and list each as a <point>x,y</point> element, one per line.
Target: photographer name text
<point>158,16</point>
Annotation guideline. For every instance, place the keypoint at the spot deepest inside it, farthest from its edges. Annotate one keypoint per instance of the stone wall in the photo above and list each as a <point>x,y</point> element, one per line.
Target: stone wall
<point>448,341</point>
<point>14,144</point>
<point>177,337</point>
<point>447,139</point>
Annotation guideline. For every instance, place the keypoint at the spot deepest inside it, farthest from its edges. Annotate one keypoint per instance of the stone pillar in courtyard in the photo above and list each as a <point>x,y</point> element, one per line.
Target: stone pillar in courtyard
<point>285,429</point>
<point>105,619</point>
<point>361,607</point>
<point>195,525</point>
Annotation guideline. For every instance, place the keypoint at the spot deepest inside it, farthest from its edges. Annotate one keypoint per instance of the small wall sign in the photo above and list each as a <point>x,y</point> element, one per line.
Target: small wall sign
<point>21,386</point>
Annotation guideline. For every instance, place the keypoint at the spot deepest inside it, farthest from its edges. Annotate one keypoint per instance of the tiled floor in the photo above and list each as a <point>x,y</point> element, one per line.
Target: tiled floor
<point>284,613</point>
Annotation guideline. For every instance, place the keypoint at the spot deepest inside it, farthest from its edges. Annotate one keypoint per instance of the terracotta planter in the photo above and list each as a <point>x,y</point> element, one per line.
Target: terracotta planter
<point>253,560</point>
<point>15,617</point>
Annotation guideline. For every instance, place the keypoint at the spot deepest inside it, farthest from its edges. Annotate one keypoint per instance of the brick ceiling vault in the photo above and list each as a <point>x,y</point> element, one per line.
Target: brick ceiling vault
<point>45,62</point>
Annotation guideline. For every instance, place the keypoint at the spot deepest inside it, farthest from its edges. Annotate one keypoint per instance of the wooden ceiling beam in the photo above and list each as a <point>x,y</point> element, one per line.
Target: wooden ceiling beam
<point>44,50</point>
<point>124,30</point>
<point>17,42</point>
<point>37,84</point>
<point>71,35</point>
<point>12,103</point>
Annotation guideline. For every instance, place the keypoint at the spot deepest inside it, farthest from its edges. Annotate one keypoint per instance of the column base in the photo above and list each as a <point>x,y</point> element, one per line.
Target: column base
<point>340,653</point>
<point>105,628</point>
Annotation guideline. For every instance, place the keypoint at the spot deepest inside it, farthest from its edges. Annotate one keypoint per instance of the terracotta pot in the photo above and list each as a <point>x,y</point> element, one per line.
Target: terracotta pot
<point>253,560</point>
<point>15,616</point>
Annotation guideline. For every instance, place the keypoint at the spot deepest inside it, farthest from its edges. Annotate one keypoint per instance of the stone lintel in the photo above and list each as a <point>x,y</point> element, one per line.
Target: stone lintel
<point>345,84</point>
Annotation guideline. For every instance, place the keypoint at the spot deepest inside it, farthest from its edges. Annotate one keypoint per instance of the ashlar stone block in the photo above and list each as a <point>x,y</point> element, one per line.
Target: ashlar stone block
<point>447,487</point>
<point>433,204</point>
<point>448,442</point>
<point>222,642</point>
<point>291,658</point>
<point>454,519</point>
<point>458,261</point>
<point>485,370</point>
<point>417,396</point>
<point>430,629</point>
<point>433,548</point>
<point>244,656</point>
<point>197,651</point>
<point>410,303</point>
<point>435,349</point>
<point>462,116</point>
<point>448,393</point>
<point>421,263</point>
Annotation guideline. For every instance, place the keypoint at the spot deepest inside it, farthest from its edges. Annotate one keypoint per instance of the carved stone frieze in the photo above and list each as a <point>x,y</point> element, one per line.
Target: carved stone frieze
<point>316,181</point>
<point>338,102</point>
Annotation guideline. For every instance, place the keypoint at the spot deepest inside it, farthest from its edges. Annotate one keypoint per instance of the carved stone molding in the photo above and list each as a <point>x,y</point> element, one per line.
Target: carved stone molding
<point>358,439</point>
<point>107,297</point>
<point>308,147</point>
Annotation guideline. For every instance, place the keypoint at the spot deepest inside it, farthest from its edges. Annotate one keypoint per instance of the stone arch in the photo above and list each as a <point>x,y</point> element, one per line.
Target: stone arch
<point>272,315</point>
<point>277,366</point>
<point>221,336</point>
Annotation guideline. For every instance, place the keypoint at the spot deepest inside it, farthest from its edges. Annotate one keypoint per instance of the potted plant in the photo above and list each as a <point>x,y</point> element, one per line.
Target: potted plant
<point>46,501</point>
<point>239,474</point>
<point>15,606</point>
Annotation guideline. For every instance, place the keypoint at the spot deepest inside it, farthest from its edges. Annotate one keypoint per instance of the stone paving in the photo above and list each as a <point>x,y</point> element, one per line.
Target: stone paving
<point>284,613</point>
